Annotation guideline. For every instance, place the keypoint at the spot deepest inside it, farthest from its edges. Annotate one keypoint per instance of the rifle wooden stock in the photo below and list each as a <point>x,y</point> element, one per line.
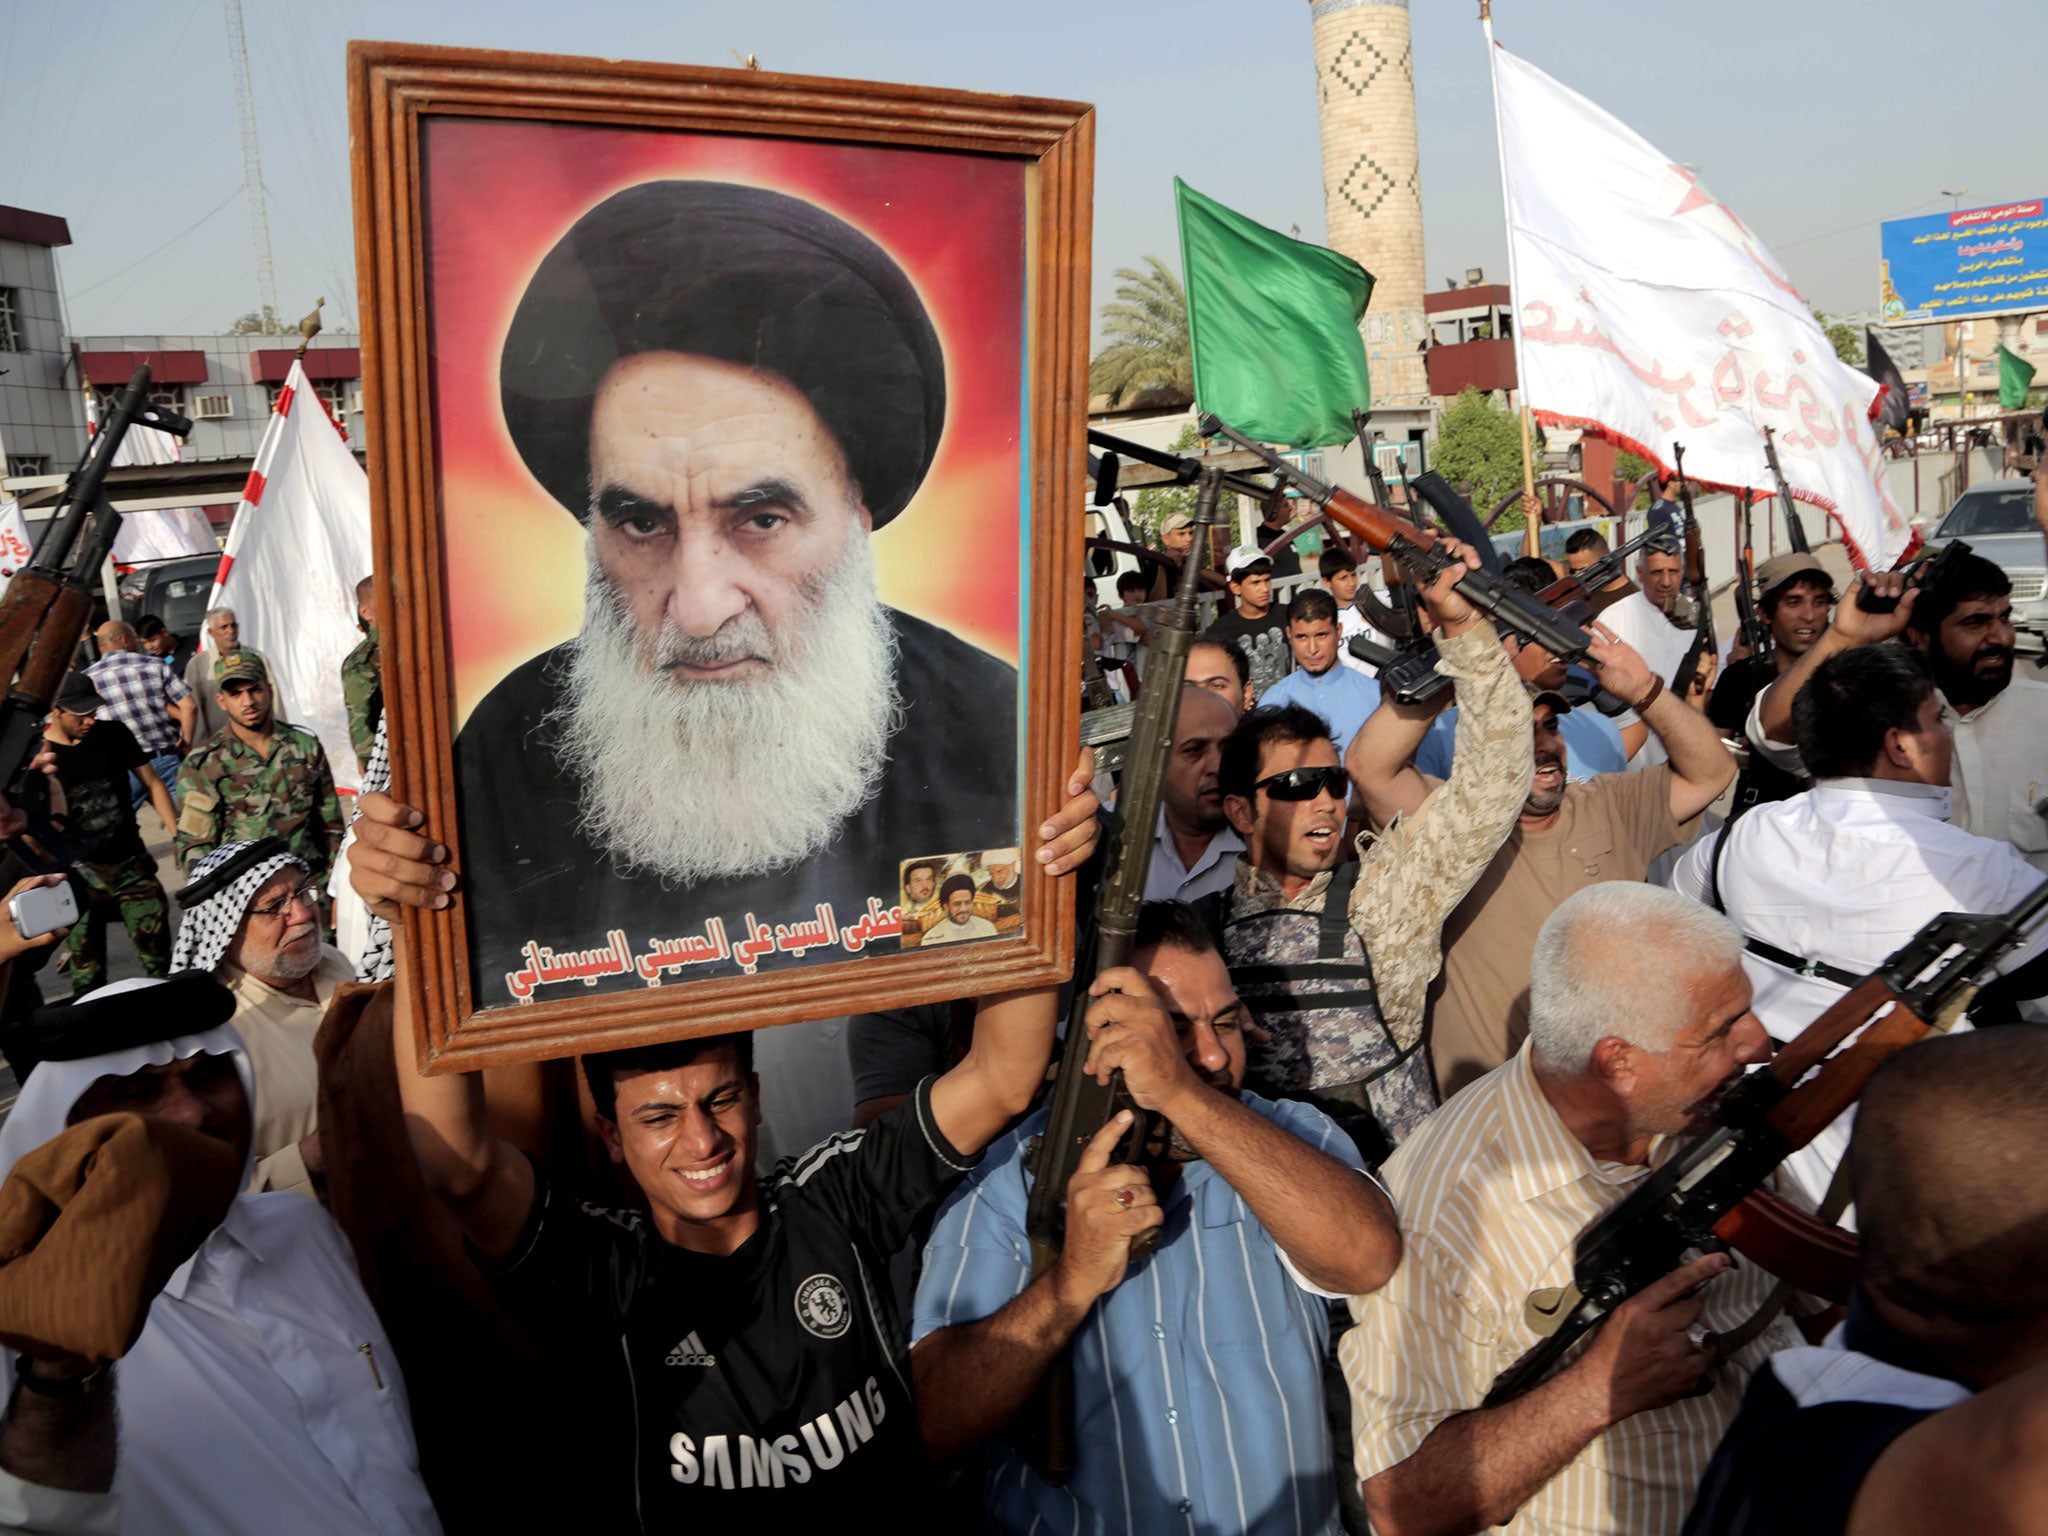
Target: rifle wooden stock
<point>1783,1240</point>
<point>28,599</point>
<point>1808,1111</point>
<point>56,642</point>
<point>1375,526</point>
<point>1815,1043</point>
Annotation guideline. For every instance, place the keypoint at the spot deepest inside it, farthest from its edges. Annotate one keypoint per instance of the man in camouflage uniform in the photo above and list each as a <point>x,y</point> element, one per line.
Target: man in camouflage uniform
<point>1335,959</point>
<point>362,681</point>
<point>257,777</point>
<point>223,634</point>
<point>116,875</point>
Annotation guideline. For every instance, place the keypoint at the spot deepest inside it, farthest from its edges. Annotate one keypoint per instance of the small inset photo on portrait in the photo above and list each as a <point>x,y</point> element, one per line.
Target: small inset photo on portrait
<point>950,897</point>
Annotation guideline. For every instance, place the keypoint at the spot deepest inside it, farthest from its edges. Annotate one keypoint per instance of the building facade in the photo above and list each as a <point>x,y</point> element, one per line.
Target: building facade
<point>42,418</point>
<point>228,384</point>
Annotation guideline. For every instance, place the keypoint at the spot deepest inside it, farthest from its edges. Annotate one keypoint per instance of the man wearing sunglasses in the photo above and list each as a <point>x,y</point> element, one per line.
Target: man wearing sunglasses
<point>252,919</point>
<point>1335,958</point>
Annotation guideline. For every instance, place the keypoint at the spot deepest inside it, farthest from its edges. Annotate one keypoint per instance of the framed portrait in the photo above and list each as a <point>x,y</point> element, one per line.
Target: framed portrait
<point>719,423</point>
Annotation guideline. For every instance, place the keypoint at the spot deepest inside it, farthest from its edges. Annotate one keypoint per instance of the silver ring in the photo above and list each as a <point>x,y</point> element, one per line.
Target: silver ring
<point>1124,1199</point>
<point>1698,1335</point>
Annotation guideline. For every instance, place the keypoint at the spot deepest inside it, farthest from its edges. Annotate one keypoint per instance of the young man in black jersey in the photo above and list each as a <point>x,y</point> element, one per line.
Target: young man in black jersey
<point>752,1320</point>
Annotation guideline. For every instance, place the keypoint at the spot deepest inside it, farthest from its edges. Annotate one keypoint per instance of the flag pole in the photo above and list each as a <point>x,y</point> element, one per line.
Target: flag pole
<point>1531,534</point>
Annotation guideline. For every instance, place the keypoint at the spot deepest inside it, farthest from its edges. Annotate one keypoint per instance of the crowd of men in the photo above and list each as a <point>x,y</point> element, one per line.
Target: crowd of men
<point>1418,993</point>
<point>211,754</point>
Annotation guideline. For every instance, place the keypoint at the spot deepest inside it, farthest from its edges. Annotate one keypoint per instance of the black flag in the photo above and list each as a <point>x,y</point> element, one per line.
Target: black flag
<point>1893,412</point>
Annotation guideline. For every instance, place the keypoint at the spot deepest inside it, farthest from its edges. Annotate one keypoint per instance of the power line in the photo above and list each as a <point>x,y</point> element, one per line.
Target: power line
<point>1849,229</point>
<point>141,107</point>
<point>181,234</point>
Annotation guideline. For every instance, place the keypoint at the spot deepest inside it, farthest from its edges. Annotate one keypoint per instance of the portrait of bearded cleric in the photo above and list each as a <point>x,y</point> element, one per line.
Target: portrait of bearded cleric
<point>732,390</point>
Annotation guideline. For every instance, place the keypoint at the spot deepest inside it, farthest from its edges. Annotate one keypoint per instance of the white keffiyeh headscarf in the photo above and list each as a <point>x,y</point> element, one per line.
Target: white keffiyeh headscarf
<point>210,926</point>
<point>53,1087</point>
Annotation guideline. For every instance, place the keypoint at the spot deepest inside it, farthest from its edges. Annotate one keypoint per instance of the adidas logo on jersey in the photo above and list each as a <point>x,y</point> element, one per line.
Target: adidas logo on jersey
<point>691,1352</point>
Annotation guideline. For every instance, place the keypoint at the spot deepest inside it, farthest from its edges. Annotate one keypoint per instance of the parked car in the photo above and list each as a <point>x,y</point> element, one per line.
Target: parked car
<point>176,592</point>
<point>1996,519</point>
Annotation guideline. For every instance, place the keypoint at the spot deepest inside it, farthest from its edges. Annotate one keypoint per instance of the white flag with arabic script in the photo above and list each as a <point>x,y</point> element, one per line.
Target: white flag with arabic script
<point>1649,311</point>
<point>15,544</point>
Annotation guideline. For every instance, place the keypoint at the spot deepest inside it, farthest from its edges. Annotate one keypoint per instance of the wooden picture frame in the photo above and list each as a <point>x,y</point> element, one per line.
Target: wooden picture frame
<point>473,173</point>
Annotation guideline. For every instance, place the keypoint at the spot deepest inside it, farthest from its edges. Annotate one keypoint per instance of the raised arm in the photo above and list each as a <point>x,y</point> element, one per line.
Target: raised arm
<point>1326,1216</point>
<point>1381,757</point>
<point>999,1076</point>
<point>971,1379</point>
<point>486,1183</point>
<point>1700,766</point>
<point>1850,628</point>
<point>1013,1034</point>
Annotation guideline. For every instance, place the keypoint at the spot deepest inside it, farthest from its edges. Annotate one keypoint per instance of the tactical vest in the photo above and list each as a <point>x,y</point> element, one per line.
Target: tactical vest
<point>1307,979</point>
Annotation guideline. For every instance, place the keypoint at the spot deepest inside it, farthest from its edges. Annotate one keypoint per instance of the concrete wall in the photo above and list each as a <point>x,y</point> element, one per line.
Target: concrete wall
<point>40,415</point>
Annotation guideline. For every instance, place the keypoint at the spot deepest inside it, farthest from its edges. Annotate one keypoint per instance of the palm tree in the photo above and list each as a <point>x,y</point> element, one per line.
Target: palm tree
<point>1145,335</point>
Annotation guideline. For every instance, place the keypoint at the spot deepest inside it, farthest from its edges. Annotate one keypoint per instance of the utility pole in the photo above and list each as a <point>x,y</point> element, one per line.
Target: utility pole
<point>252,163</point>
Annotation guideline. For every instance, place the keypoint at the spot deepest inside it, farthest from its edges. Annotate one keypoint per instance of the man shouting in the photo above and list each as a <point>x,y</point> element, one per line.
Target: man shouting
<point>732,389</point>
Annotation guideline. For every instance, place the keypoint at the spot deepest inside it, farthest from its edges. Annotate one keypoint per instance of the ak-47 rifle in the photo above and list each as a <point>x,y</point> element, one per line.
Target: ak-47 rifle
<point>47,606</point>
<point>1795,530</point>
<point>1421,554</point>
<point>1080,1105</point>
<point>1408,672</point>
<point>1696,586</point>
<point>1756,636</point>
<point>1711,1193</point>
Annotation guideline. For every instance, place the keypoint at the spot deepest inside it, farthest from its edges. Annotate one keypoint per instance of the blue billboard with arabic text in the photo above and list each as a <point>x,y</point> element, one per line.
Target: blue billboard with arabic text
<point>1975,261</point>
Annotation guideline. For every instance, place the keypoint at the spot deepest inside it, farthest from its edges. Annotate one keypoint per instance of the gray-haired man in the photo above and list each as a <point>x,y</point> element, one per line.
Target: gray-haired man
<point>1622,1058</point>
<point>223,634</point>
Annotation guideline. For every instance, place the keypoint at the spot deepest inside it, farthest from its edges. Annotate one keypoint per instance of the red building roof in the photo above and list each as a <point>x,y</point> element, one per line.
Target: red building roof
<point>33,228</point>
<point>110,370</point>
<point>274,364</point>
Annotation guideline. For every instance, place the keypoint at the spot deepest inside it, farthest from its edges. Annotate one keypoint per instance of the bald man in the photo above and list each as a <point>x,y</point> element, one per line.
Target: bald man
<point>1928,1409</point>
<point>142,693</point>
<point>1195,848</point>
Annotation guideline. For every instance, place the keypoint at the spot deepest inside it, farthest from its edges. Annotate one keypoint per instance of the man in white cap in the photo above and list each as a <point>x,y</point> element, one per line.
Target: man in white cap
<point>261,1394</point>
<point>1253,625</point>
<point>252,920</point>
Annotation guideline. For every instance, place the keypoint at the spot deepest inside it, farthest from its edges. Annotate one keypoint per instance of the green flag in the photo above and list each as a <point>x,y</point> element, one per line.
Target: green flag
<point>2015,373</point>
<point>1273,325</point>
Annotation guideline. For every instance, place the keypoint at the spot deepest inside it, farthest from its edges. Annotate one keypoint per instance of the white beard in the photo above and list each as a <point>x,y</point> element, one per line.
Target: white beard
<point>696,781</point>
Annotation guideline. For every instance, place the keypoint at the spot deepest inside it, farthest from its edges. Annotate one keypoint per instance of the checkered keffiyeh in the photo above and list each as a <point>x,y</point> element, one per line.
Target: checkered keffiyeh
<point>139,691</point>
<point>210,926</point>
<point>376,962</point>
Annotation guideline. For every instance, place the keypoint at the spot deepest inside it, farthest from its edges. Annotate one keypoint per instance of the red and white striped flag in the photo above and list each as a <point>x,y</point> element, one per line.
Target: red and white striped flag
<point>299,544</point>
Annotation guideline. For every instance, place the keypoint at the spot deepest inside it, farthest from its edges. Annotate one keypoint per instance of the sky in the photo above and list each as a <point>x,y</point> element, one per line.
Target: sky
<point>1813,121</point>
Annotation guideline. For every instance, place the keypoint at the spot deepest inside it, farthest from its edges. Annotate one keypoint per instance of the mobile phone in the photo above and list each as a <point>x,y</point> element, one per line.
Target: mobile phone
<point>42,909</point>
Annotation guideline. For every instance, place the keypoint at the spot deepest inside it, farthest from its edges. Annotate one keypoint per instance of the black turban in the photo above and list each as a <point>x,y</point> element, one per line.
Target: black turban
<point>956,883</point>
<point>743,275</point>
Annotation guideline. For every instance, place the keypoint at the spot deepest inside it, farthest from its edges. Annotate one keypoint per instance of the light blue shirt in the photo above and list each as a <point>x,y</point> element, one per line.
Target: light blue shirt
<point>1592,744</point>
<point>1341,696</point>
<point>1198,1380</point>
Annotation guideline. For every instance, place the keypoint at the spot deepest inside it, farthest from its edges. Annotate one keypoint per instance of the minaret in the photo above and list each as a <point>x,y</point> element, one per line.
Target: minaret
<point>1372,181</point>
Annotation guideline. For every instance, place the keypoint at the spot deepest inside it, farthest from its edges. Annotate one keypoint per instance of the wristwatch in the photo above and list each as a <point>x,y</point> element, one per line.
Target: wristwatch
<point>69,1388</point>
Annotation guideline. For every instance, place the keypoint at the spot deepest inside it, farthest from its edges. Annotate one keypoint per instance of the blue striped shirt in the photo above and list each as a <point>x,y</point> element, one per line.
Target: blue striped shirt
<point>1198,1381</point>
